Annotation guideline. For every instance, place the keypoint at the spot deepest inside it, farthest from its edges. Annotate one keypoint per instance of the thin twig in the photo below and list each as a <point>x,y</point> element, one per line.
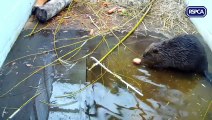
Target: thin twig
<point>123,39</point>
<point>44,52</point>
<point>94,23</point>
<point>32,32</point>
<point>36,71</point>
<point>207,110</point>
<point>117,76</point>
<point>19,109</point>
<point>74,93</point>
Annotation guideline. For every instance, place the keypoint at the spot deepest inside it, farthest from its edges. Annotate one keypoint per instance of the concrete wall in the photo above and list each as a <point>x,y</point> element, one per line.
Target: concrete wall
<point>203,25</point>
<point>14,15</point>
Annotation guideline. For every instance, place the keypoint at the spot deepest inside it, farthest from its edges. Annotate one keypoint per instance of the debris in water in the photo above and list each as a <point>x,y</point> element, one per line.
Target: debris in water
<point>203,85</point>
<point>29,65</point>
<point>145,79</point>
<point>145,72</point>
<point>4,112</point>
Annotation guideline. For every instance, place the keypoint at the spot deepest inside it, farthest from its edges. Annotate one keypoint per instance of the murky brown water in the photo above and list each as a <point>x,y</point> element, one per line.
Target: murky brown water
<point>167,94</point>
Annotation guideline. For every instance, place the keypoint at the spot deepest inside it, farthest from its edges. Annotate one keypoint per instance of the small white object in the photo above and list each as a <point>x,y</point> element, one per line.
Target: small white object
<point>137,61</point>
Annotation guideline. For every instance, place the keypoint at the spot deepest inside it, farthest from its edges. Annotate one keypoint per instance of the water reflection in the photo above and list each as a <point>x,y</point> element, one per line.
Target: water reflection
<point>168,95</point>
<point>98,102</point>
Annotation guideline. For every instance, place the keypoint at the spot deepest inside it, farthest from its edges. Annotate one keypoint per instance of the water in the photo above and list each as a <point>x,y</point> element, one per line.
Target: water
<point>66,92</point>
<point>167,95</point>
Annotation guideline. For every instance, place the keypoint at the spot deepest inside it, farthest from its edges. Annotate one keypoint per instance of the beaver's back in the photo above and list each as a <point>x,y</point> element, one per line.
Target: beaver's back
<point>190,54</point>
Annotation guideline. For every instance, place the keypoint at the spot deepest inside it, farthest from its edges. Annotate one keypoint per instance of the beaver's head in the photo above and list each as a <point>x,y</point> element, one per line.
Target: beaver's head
<point>153,55</point>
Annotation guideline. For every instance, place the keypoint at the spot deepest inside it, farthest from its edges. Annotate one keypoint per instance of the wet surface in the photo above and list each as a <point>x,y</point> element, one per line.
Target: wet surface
<point>13,97</point>
<point>66,92</point>
<point>169,94</point>
<point>19,81</point>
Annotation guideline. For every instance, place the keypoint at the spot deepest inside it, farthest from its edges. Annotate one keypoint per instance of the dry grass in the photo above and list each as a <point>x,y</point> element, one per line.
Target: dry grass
<point>166,17</point>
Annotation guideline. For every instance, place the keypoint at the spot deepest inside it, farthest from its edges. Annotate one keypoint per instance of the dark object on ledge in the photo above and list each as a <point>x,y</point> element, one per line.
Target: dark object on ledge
<point>50,9</point>
<point>37,4</point>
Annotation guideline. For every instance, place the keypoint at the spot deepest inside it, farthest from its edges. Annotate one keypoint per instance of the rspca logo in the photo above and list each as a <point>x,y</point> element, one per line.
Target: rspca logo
<point>196,11</point>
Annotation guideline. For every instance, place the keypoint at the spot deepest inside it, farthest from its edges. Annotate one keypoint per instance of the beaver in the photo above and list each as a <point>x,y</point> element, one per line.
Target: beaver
<point>184,53</point>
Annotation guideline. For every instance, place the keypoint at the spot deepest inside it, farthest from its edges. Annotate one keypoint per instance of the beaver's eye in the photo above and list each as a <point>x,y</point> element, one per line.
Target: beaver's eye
<point>145,54</point>
<point>155,51</point>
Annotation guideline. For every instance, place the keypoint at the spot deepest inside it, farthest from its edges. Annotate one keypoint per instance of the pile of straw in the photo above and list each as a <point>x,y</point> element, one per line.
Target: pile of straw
<point>166,17</point>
